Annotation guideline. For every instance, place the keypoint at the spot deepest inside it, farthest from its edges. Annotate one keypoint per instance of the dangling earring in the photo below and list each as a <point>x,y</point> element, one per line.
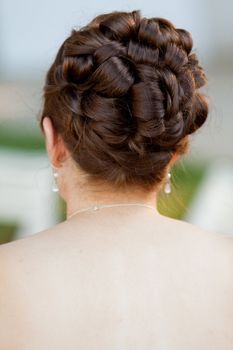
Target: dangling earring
<point>55,176</point>
<point>167,186</point>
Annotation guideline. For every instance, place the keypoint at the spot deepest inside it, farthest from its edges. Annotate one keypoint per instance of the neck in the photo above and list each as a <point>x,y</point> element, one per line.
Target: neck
<point>84,197</point>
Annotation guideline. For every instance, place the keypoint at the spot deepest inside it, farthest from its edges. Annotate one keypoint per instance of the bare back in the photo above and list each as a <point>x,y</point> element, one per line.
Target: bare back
<point>134,283</point>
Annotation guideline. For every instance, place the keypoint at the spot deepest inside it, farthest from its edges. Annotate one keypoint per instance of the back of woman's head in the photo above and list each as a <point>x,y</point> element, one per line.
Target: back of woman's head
<point>123,94</point>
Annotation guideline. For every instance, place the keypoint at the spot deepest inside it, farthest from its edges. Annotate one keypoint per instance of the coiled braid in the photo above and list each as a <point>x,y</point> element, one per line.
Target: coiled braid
<point>123,93</point>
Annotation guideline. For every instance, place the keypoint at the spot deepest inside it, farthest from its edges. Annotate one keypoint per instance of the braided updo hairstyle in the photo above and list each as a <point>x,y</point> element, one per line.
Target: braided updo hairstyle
<point>123,94</point>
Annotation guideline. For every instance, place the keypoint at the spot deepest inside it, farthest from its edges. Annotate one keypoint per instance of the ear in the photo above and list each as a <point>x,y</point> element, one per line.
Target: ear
<point>174,159</point>
<point>54,143</point>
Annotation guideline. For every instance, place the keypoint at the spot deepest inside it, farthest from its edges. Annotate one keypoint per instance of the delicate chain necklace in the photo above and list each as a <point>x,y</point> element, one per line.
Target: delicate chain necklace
<point>97,207</point>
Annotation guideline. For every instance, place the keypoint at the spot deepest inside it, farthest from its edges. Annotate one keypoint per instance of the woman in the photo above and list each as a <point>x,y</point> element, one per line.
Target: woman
<point>120,101</point>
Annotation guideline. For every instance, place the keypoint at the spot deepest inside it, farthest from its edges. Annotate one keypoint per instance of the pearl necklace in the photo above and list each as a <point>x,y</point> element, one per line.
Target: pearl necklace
<point>97,207</point>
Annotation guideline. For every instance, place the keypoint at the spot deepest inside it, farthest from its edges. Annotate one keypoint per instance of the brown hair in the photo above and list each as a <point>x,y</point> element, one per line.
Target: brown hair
<point>123,94</point>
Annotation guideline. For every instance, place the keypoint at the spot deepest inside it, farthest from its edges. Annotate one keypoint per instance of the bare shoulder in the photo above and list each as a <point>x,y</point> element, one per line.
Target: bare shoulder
<point>183,242</point>
<point>22,263</point>
<point>191,233</point>
<point>209,258</point>
<point>183,236</point>
<point>211,247</point>
<point>31,244</point>
<point>200,263</point>
<point>20,258</point>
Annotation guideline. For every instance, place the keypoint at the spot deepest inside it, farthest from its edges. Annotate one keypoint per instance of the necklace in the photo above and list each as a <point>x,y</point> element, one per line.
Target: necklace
<point>97,207</point>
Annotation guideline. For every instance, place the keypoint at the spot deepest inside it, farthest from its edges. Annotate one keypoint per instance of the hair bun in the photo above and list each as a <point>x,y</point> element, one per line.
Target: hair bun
<point>123,93</point>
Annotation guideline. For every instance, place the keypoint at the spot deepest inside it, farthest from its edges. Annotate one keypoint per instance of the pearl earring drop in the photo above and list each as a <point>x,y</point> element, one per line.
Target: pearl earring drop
<point>167,187</point>
<point>55,176</point>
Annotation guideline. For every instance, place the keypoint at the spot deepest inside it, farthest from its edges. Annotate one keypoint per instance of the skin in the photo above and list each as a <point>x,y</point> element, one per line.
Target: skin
<point>118,278</point>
